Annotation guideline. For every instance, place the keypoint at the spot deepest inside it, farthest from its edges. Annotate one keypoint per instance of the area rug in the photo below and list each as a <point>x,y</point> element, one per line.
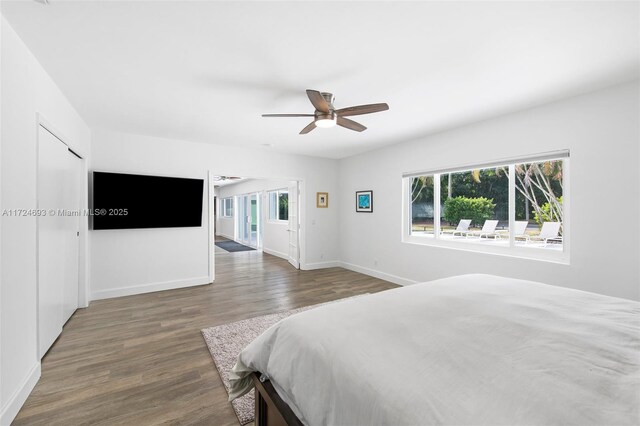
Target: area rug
<point>232,246</point>
<point>226,341</point>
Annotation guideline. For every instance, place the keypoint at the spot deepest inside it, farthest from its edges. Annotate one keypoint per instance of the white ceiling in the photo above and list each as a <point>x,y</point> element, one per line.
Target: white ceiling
<point>205,71</point>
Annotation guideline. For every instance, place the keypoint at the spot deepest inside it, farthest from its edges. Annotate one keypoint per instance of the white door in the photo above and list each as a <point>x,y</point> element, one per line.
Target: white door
<point>254,221</point>
<point>243,219</point>
<point>247,210</point>
<point>294,251</point>
<point>71,283</point>
<point>53,160</point>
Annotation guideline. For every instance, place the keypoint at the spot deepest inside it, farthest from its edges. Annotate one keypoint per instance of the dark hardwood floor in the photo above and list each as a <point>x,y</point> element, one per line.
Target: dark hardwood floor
<point>141,360</point>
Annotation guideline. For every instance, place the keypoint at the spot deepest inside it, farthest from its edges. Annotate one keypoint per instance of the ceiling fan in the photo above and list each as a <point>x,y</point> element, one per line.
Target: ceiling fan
<point>327,116</point>
<point>225,178</point>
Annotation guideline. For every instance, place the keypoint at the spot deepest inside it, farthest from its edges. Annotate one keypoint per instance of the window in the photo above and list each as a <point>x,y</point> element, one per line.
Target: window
<point>279,205</point>
<point>422,205</point>
<point>227,207</point>
<point>511,205</point>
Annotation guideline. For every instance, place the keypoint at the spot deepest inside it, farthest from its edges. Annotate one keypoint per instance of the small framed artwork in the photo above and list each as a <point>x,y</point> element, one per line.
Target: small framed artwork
<point>364,201</point>
<point>322,200</point>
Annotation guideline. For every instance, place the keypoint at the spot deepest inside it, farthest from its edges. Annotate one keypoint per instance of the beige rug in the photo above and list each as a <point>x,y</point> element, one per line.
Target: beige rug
<point>226,341</point>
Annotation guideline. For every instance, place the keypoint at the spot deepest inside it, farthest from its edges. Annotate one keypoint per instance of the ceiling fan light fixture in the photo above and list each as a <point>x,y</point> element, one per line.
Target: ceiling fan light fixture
<point>326,120</point>
<point>326,115</point>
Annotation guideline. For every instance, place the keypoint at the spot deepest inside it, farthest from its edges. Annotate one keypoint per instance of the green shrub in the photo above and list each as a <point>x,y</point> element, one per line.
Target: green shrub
<point>284,206</point>
<point>545,215</point>
<point>477,209</point>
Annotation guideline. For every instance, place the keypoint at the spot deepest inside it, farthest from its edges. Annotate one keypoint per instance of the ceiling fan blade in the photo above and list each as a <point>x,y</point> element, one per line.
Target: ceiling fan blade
<point>318,101</point>
<point>288,115</point>
<point>350,124</point>
<point>309,128</point>
<point>361,109</point>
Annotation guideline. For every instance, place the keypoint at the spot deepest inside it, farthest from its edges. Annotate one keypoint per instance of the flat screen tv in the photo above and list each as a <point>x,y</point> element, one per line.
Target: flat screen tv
<point>124,201</point>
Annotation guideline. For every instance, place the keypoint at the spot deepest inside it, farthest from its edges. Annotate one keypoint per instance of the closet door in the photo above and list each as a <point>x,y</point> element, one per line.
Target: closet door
<point>53,162</point>
<point>72,237</point>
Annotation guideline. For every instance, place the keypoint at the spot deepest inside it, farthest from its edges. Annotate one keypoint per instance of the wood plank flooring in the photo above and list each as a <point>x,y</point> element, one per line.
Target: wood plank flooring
<point>141,360</point>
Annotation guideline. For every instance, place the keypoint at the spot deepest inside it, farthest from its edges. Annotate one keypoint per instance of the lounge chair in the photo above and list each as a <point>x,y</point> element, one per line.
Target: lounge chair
<point>519,230</point>
<point>462,228</point>
<point>549,231</point>
<point>488,230</point>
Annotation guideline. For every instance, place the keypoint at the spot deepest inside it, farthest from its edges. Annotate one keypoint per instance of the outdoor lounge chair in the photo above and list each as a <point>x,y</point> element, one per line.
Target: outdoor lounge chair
<point>519,230</point>
<point>549,231</point>
<point>462,228</point>
<point>488,230</point>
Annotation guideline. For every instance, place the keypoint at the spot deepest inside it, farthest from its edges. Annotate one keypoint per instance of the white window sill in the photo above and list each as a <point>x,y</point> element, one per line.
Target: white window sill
<point>555,253</point>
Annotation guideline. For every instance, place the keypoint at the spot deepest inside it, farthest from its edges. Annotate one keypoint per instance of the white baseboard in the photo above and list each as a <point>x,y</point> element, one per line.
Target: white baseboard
<point>319,265</point>
<point>17,400</point>
<point>377,274</point>
<point>229,237</point>
<point>148,288</point>
<point>275,253</point>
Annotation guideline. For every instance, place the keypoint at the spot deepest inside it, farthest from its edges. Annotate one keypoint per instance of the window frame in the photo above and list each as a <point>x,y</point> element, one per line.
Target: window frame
<point>511,249</point>
<point>277,193</point>
<point>223,209</point>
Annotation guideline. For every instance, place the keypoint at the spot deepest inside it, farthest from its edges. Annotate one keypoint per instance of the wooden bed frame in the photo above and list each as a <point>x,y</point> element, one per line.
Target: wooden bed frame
<point>270,409</point>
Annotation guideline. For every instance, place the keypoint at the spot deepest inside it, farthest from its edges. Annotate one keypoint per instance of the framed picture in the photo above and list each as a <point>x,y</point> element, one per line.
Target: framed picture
<point>364,201</point>
<point>322,200</point>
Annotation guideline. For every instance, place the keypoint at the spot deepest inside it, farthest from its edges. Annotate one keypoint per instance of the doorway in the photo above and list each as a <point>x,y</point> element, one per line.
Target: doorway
<point>261,214</point>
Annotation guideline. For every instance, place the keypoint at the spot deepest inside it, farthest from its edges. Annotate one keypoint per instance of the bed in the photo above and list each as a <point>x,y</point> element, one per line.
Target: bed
<point>472,349</point>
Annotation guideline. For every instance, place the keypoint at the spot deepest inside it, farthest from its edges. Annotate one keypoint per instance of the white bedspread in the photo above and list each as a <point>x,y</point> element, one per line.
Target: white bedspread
<point>473,349</point>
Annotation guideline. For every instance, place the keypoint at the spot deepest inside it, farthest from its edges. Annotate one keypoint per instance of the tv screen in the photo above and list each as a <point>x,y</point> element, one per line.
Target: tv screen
<point>124,201</point>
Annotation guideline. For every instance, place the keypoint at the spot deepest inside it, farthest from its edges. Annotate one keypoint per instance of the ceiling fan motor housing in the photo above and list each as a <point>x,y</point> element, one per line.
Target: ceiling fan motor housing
<point>329,98</point>
<point>326,119</point>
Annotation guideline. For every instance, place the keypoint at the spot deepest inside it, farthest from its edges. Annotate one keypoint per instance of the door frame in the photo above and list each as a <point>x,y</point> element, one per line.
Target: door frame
<point>295,196</point>
<point>211,199</point>
<point>302,207</point>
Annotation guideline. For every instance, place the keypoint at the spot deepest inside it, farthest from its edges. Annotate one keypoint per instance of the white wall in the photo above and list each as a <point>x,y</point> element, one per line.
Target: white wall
<point>275,237</point>
<point>225,225</point>
<point>26,91</point>
<point>601,130</point>
<point>134,261</point>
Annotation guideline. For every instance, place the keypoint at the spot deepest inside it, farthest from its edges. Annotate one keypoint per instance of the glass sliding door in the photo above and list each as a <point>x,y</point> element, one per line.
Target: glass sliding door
<point>248,224</point>
<point>253,220</point>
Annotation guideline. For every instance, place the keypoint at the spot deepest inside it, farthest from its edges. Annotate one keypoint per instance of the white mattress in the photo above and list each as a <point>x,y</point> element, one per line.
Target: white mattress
<point>473,349</point>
